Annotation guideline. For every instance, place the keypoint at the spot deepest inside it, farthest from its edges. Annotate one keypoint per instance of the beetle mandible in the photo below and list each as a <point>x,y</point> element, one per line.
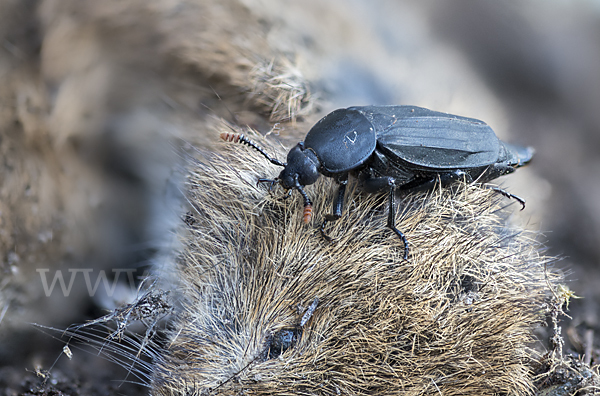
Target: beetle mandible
<point>391,148</point>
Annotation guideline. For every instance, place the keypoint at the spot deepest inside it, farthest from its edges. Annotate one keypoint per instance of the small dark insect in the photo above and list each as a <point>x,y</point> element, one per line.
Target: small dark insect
<point>391,148</point>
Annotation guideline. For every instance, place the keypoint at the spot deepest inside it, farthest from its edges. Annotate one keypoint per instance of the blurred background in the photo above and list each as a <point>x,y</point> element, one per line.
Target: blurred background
<point>96,97</point>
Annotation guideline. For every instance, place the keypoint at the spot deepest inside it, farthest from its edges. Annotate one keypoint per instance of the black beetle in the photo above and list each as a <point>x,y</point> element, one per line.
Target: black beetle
<point>394,147</point>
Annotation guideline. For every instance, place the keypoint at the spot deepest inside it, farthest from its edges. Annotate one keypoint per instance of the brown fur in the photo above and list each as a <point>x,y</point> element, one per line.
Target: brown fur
<point>94,95</point>
<point>457,318</point>
<point>94,98</point>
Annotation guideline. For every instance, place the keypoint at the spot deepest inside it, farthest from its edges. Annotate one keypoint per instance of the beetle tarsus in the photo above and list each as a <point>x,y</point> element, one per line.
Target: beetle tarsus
<point>509,195</point>
<point>328,218</point>
<point>288,193</point>
<point>271,182</point>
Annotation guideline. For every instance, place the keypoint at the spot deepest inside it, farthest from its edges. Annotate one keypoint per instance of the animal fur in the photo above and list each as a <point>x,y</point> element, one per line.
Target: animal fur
<point>95,95</point>
<point>456,318</point>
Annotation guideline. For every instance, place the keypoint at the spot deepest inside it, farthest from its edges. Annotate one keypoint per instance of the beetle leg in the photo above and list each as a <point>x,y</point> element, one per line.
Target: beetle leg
<point>498,170</point>
<point>391,223</point>
<point>508,195</point>
<point>271,182</point>
<point>377,184</point>
<point>288,193</point>
<point>338,206</point>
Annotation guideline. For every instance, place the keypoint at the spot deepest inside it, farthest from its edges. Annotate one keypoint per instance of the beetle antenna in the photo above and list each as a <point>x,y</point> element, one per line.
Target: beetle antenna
<point>240,138</point>
<point>307,204</point>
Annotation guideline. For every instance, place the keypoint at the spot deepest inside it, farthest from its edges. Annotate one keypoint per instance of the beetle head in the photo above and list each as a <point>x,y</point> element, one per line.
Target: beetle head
<point>302,168</point>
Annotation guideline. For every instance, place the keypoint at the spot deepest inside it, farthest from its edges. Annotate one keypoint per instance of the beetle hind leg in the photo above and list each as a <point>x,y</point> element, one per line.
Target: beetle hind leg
<point>508,195</point>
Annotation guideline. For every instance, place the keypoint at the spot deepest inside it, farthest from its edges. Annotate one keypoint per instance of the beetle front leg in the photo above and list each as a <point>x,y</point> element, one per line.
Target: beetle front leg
<point>338,206</point>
